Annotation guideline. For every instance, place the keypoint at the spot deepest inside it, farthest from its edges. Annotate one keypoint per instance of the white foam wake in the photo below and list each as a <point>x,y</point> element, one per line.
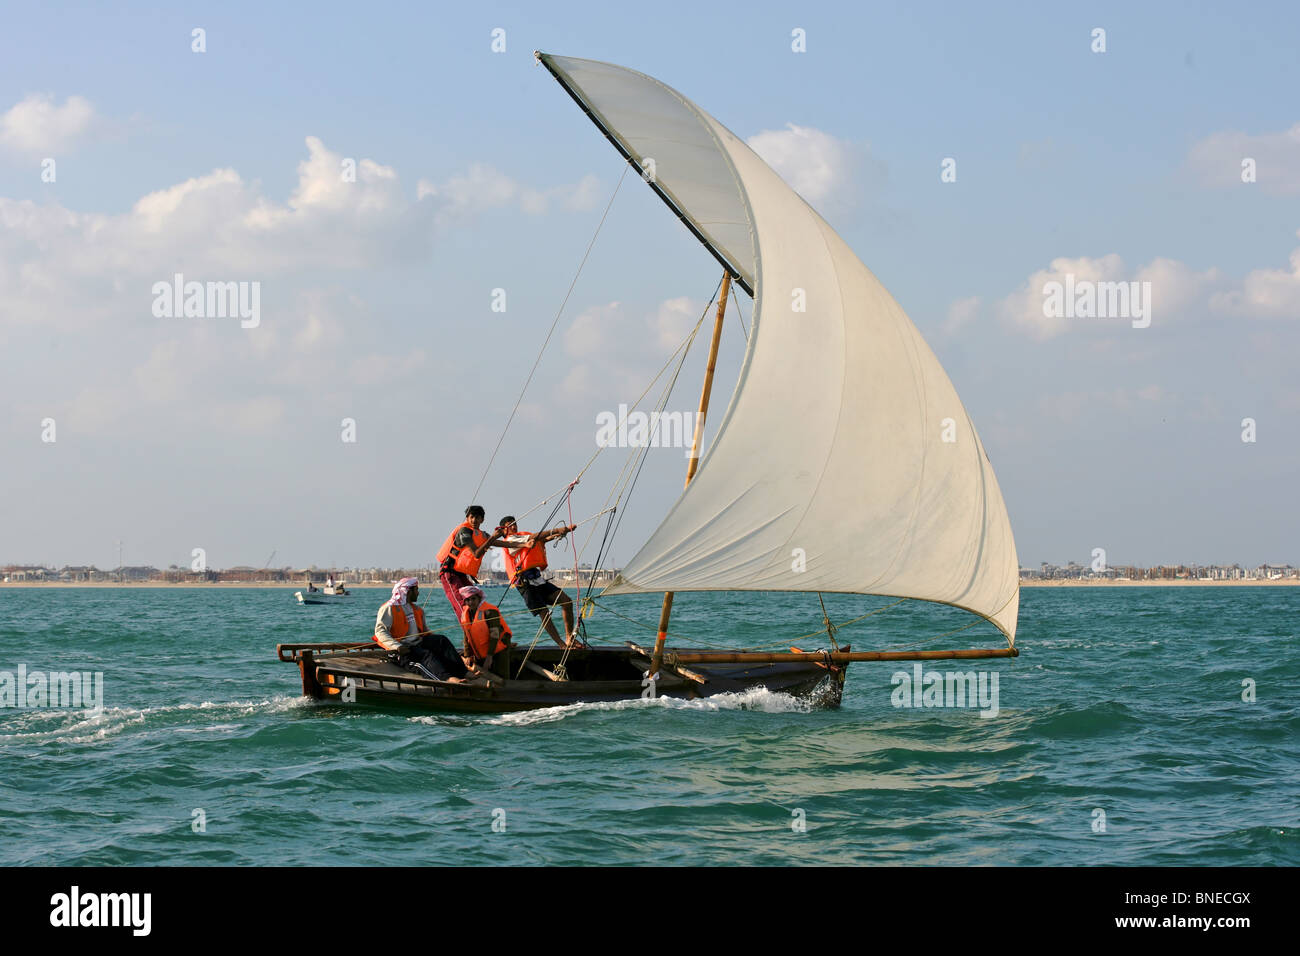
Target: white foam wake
<point>65,726</point>
<point>755,698</point>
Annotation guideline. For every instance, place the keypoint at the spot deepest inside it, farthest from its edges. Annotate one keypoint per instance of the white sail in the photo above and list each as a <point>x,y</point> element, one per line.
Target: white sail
<point>845,460</point>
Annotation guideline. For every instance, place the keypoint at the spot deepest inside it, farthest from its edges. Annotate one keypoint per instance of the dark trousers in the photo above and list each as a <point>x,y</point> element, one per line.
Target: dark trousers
<point>435,653</point>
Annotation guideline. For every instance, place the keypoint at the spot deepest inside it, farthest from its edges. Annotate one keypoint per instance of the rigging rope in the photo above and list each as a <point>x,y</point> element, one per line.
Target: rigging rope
<point>740,315</point>
<point>549,334</point>
<point>681,351</point>
<point>627,478</point>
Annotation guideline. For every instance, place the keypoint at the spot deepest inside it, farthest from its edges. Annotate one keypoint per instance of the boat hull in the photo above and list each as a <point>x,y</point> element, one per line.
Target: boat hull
<point>597,675</point>
<point>319,597</point>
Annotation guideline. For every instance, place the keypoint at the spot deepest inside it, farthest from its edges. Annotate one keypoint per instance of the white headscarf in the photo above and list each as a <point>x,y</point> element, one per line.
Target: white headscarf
<point>400,589</point>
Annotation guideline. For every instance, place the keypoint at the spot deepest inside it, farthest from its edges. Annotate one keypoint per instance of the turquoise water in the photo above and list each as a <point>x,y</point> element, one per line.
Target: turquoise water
<point>1127,701</point>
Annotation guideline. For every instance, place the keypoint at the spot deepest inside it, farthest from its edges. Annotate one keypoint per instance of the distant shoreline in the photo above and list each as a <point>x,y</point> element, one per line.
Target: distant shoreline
<point>1068,583</point>
<point>1159,583</point>
<point>175,584</point>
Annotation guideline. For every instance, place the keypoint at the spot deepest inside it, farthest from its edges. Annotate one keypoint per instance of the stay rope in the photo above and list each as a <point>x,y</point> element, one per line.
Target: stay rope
<point>559,312</point>
<point>628,477</point>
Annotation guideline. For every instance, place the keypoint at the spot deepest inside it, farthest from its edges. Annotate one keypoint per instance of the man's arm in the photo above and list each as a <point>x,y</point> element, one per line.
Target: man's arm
<point>493,620</point>
<point>382,633</point>
<point>492,542</point>
<point>557,532</point>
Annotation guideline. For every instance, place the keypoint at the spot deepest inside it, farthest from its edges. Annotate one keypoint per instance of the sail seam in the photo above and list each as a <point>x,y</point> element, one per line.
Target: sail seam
<point>839,414</point>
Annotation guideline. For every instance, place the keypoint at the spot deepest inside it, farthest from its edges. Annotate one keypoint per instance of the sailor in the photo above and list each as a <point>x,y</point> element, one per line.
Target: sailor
<point>486,632</point>
<point>399,628</point>
<point>525,558</point>
<point>461,554</point>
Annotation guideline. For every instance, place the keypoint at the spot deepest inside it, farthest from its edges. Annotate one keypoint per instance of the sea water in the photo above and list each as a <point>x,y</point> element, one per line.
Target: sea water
<point>1138,726</point>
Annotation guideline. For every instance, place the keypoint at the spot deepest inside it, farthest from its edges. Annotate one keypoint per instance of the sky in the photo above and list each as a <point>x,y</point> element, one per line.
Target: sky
<point>128,156</point>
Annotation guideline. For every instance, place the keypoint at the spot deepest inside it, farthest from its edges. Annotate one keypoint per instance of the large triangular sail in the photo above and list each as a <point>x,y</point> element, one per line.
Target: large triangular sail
<point>845,461</point>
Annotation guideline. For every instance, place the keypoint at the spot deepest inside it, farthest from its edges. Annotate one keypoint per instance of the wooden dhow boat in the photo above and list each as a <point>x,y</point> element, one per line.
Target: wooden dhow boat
<point>845,462</point>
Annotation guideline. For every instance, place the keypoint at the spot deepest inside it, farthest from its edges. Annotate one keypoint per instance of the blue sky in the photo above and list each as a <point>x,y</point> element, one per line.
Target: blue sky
<point>179,434</point>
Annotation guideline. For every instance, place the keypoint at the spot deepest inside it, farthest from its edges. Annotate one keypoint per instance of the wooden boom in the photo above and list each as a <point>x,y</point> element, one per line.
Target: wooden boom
<point>839,657</point>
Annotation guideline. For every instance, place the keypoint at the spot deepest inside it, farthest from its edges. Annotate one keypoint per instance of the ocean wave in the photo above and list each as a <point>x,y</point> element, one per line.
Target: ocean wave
<point>63,726</point>
<point>1065,720</point>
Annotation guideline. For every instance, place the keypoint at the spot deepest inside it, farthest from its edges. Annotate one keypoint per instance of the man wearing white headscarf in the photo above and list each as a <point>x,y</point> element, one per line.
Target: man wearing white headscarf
<point>399,628</point>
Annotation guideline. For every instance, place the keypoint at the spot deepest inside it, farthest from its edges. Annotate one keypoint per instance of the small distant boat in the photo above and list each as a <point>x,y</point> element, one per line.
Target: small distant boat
<point>326,595</point>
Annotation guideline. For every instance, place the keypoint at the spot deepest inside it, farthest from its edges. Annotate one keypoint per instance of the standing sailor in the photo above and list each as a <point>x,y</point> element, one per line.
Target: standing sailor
<point>461,554</point>
<point>399,628</point>
<point>525,561</point>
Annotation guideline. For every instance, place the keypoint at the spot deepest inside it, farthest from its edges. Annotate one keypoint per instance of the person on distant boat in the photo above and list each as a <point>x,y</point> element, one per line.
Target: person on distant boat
<point>461,554</point>
<point>525,558</point>
<point>399,628</point>
<point>486,631</point>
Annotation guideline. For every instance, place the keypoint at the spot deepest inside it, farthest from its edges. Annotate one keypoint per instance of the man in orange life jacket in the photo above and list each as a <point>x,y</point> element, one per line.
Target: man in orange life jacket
<point>399,628</point>
<point>461,554</point>
<point>486,632</point>
<point>525,561</point>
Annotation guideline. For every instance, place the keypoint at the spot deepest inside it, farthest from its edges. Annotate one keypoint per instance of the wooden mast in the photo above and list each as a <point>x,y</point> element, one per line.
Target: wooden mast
<point>658,656</point>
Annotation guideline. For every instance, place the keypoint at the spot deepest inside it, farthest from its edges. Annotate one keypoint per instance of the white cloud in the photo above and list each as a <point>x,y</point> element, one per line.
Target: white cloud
<point>614,350</point>
<point>593,331</point>
<point>1024,307</point>
<point>217,226</point>
<point>319,353</point>
<point>39,125</point>
<point>817,166</point>
<point>1176,291</point>
<point>211,227</point>
<point>1267,293</point>
<point>482,188</point>
<point>961,313</point>
<point>1177,288</point>
<point>674,319</point>
<point>1217,159</point>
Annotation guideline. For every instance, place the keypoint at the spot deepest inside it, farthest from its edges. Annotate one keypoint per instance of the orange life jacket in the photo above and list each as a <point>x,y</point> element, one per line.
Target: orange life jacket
<point>461,559</point>
<point>478,634</point>
<point>520,560</point>
<point>399,628</point>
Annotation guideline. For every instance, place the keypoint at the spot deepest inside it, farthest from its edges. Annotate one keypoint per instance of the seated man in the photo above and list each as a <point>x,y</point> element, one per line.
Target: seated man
<point>486,632</point>
<point>400,629</point>
<point>525,558</point>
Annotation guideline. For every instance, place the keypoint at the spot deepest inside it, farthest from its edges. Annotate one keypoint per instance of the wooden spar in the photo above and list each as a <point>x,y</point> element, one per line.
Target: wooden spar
<point>657,658</point>
<point>840,657</point>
